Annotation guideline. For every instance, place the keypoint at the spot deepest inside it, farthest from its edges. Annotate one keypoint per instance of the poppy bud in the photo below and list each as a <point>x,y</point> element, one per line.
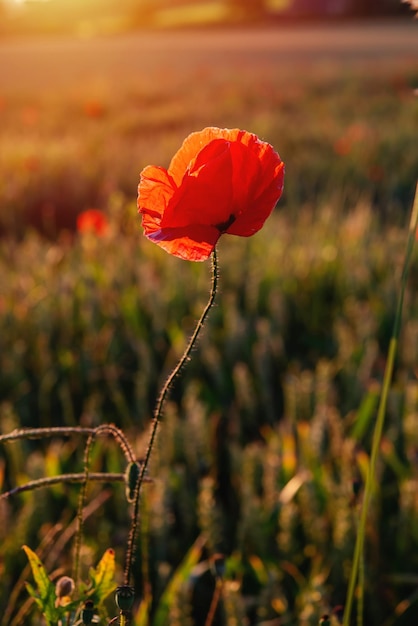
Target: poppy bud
<point>64,587</point>
<point>63,590</point>
<point>125,597</point>
<point>87,613</point>
<point>131,480</point>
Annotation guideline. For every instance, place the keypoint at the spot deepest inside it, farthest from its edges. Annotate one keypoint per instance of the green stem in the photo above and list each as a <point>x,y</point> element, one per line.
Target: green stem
<point>377,435</point>
<point>361,583</point>
<point>158,416</point>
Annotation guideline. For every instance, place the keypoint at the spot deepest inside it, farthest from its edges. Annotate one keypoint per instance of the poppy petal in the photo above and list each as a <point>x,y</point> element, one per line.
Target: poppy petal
<point>245,177</point>
<point>252,219</point>
<point>192,145</point>
<point>205,195</point>
<point>155,190</point>
<point>193,243</point>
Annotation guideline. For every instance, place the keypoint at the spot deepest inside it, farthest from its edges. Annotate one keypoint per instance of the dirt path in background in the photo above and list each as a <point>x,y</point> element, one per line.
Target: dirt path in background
<point>53,63</point>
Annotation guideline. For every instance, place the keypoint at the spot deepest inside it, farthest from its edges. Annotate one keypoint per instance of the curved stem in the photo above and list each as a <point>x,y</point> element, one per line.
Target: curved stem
<point>119,436</point>
<point>158,413</point>
<point>102,477</point>
<point>37,433</point>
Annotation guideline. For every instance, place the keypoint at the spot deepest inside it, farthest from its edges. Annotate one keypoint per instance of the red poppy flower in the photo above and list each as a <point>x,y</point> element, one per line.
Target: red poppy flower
<point>92,220</point>
<point>220,181</point>
<point>94,109</point>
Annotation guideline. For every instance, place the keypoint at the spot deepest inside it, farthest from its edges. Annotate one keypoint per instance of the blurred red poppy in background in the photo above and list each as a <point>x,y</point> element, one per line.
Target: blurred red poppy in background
<point>220,181</point>
<point>92,220</point>
<point>94,109</point>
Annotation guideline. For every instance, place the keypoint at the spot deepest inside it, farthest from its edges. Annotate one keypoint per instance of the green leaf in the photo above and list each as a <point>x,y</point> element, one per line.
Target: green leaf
<point>32,592</point>
<point>142,615</point>
<point>102,578</point>
<point>181,575</point>
<point>44,596</point>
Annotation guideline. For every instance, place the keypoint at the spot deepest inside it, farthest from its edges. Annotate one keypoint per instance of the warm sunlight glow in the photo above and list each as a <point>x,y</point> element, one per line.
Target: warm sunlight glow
<point>25,1</point>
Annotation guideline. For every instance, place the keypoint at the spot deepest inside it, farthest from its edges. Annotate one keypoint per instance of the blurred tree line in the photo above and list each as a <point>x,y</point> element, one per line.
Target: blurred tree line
<point>69,16</point>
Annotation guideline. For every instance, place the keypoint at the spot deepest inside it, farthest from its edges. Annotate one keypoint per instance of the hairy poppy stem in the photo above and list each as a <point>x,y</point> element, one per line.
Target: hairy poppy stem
<point>119,436</point>
<point>158,413</point>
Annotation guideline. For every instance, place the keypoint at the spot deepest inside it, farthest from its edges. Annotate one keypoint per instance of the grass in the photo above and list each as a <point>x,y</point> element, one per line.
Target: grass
<point>265,445</point>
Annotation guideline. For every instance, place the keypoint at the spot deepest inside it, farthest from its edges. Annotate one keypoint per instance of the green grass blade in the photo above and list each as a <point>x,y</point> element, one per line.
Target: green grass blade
<point>365,414</point>
<point>180,576</point>
<point>377,435</point>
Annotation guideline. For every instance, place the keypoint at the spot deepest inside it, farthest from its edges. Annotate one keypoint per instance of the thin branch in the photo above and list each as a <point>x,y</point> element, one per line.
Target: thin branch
<point>39,433</point>
<point>101,477</point>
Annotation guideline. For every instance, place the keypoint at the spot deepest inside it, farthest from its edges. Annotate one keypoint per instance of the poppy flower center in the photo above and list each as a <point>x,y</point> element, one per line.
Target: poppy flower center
<point>223,226</point>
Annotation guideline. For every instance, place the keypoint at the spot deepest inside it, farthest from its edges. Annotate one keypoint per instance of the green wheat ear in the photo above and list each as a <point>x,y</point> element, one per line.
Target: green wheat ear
<point>378,429</point>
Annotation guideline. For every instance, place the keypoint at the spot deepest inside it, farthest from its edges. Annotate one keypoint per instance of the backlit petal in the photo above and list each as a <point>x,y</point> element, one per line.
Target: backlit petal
<point>252,219</point>
<point>205,195</point>
<point>155,190</point>
<point>190,148</point>
<point>193,243</point>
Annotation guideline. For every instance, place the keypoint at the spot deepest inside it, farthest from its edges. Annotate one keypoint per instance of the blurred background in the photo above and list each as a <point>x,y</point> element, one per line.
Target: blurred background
<point>266,438</point>
<point>110,16</point>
